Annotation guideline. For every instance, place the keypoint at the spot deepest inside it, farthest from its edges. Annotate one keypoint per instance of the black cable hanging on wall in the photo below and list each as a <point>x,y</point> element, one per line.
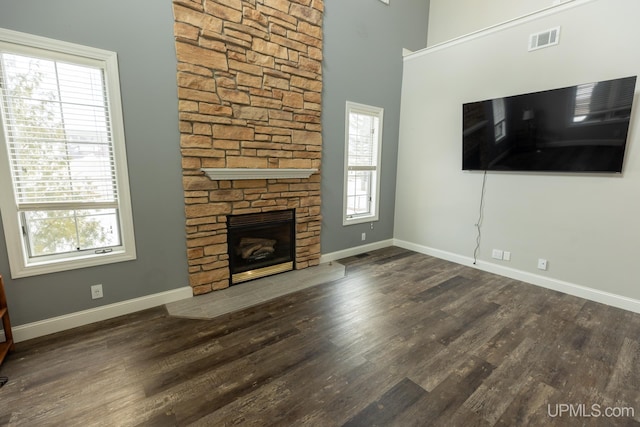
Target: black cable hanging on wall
<point>480,215</point>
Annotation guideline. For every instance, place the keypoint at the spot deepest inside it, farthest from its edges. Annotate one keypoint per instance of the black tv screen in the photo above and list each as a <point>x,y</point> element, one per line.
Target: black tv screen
<point>580,128</point>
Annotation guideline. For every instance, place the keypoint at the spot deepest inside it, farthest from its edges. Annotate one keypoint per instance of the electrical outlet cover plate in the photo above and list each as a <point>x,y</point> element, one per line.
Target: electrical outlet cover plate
<point>497,254</point>
<point>542,264</point>
<point>96,292</point>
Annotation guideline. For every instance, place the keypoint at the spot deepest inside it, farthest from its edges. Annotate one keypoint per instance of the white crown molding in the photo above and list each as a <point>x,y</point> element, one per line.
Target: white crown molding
<point>547,11</point>
<point>249,173</point>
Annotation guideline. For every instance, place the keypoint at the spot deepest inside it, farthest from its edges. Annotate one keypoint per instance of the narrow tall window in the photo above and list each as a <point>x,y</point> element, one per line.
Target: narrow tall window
<point>499,120</point>
<point>362,163</point>
<point>582,101</point>
<point>65,201</point>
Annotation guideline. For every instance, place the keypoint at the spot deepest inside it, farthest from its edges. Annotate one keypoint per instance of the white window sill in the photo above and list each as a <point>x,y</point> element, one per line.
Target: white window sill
<point>57,265</point>
<point>360,220</point>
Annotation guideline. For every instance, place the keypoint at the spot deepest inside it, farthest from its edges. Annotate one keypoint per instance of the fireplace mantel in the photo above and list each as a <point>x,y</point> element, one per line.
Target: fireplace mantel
<point>255,173</point>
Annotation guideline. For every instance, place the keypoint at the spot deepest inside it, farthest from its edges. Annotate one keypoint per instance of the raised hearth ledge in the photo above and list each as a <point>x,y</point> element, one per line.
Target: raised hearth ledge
<point>254,173</point>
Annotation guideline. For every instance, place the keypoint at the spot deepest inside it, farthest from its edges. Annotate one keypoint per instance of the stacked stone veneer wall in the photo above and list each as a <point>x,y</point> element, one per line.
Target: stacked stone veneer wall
<point>249,89</point>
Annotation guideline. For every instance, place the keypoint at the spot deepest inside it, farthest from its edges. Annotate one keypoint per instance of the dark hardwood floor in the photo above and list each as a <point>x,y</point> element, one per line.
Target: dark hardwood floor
<point>404,340</point>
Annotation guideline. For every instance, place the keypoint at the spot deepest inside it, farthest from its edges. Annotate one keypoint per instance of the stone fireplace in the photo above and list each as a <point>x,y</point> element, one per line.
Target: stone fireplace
<point>249,89</point>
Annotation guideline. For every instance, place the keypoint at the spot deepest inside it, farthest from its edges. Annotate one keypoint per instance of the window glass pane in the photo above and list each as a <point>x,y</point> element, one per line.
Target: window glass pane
<point>63,231</point>
<point>359,192</point>
<point>98,228</point>
<point>50,232</point>
<point>363,139</point>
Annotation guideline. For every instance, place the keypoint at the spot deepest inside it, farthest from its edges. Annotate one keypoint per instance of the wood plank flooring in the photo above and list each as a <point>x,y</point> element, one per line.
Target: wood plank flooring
<point>403,340</point>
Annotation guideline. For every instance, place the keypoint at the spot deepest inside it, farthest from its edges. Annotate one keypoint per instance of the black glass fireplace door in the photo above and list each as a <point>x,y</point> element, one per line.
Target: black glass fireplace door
<point>260,244</point>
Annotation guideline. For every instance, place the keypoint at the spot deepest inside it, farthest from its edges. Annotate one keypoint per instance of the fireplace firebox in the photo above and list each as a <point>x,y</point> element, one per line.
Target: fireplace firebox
<point>260,244</point>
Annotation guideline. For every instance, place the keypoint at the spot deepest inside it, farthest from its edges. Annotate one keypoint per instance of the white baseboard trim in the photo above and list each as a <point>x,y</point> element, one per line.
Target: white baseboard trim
<point>85,317</point>
<point>357,250</point>
<point>591,294</point>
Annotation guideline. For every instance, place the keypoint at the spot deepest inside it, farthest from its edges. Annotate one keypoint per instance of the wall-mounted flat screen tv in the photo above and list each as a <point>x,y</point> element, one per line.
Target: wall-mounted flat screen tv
<point>580,128</point>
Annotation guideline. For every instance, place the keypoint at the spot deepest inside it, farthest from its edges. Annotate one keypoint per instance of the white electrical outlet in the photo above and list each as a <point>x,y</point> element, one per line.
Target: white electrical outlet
<point>364,236</point>
<point>96,292</point>
<point>542,264</point>
<point>497,254</point>
<point>506,255</point>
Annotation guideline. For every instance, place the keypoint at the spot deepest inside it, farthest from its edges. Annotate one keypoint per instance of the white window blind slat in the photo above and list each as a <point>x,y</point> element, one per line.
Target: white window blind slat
<point>58,206</point>
<point>362,168</point>
<point>59,137</point>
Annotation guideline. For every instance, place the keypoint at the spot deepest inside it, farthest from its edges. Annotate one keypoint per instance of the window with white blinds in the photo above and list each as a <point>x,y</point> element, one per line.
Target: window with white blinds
<point>63,147</point>
<point>362,163</point>
<point>603,101</point>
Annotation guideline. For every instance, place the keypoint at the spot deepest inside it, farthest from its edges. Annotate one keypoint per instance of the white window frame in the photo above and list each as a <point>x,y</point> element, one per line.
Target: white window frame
<point>20,263</point>
<point>374,192</point>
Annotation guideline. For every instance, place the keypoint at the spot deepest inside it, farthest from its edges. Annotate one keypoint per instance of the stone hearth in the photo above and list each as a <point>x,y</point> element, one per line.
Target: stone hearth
<point>249,88</point>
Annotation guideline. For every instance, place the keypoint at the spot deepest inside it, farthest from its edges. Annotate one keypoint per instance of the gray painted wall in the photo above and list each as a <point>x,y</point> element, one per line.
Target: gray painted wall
<point>363,42</point>
<point>363,63</point>
<point>141,32</point>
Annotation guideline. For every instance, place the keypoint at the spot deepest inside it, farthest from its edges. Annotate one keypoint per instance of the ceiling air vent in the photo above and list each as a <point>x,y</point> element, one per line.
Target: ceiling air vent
<point>544,39</point>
